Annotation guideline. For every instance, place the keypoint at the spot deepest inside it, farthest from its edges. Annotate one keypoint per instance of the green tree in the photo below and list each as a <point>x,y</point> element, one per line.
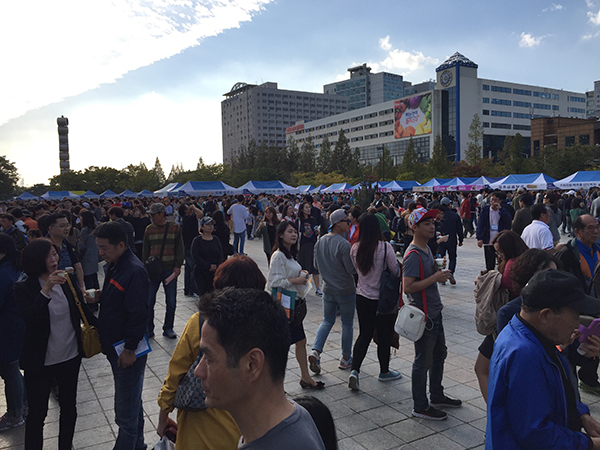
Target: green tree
<point>9,177</point>
<point>438,165</point>
<point>324,158</point>
<point>341,155</point>
<point>159,173</point>
<point>384,170</point>
<point>140,178</point>
<point>474,147</point>
<point>515,162</point>
<point>176,169</point>
<point>308,156</point>
<point>354,169</point>
<point>411,168</point>
<point>292,162</point>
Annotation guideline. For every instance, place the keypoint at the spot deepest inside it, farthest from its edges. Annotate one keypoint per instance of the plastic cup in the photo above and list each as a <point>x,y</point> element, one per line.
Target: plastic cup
<point>91,292</point>
<point>439,262</point>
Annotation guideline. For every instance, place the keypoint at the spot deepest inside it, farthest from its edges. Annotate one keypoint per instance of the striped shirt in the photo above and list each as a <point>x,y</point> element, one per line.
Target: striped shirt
<point>173,254</point>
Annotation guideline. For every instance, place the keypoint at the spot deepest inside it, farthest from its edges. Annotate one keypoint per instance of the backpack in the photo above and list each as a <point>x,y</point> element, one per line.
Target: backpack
<point>489,298</point>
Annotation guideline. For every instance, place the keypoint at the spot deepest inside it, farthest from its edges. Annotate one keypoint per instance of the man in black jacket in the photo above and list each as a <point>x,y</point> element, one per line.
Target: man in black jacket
<point>451,227</point>
<point>492,220</point>
<point>123,319</point>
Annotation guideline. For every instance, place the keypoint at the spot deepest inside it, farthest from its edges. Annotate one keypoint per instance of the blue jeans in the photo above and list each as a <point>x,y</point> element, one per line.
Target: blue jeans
<point>430,354</point>
<point>129,413</point>
<point>170,300</point>
<point>14,387</point>
<point>347,304</point>
<point>239,238</point>
<point>189,285</point>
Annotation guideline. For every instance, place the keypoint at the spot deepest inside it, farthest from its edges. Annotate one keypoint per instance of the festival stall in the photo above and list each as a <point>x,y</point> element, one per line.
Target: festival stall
<point>530,181</point>
<point>579,179</point>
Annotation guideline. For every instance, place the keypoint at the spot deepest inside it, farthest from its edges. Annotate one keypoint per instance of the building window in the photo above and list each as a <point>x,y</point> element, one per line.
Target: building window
<point>501,89</point>
<point>521,127</point>
<point>542,94</point>
<point>486,100</point>
<point>554,107</point>
<point>497,101</point>
<point>576,99</point>
<point>522,104</point>
<point>486,124</point>
<point>504,126</point>
<point>521,116</point>
<point>521,92</point>
<point>501,114</point>
<point>541,106</point>
<point>576,110</point>
<point>486,112</point>
<point>486,87</point>
<point>584,139</point>
<point>569,141</point>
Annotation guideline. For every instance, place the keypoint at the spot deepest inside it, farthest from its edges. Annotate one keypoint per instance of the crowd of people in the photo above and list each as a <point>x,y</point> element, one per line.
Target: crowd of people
<point>238,344</point>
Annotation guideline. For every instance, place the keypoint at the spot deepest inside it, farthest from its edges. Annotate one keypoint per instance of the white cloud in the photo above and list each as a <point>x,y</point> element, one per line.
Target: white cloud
<point>587,37</point>
<point>60,50</point>
<point>528,40</point>
<point>554,7</point>
<point>594,17</point>
<point>401,61</point>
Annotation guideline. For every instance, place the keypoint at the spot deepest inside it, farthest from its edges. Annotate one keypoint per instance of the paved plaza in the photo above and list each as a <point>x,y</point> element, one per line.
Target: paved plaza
<point>376,417</point>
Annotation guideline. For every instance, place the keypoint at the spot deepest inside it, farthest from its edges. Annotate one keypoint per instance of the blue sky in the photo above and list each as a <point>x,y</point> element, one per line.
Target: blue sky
<point>144,78</point>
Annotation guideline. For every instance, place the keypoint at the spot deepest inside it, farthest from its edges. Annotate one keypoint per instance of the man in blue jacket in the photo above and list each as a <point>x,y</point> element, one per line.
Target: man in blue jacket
<point>532,396</point>
<point>123,317</point>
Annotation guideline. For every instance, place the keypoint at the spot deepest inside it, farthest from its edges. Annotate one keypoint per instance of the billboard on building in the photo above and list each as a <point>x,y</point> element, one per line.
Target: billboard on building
<point>412,116</point>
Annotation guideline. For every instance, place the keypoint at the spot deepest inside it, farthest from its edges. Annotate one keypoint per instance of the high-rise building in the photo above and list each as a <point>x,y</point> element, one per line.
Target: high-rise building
<point>365,88</point>
<point>264,112</point>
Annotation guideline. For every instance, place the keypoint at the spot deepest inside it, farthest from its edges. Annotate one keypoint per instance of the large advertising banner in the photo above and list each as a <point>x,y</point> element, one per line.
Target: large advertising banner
<point>412,116</point>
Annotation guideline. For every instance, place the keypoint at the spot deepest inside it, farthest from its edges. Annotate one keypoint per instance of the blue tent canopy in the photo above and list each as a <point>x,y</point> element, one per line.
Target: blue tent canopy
<point>428,187</point>
<point>268,187</point>
<point>338,188</point>
<point>127,193</point>
<point>306,188</point>
<point>531,181</point>
<point>108,194</point>
<point>145,193</point>
<point>167,190</point>
<point>90,195</point>
<point>201,188</point>
<point>58,195</point>
<point>398,185</point>
<point>26,196</point>
<point>581,179</point>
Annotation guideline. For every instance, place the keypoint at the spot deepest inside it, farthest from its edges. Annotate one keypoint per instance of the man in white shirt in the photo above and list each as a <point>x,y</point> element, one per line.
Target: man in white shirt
<point>239,213</point>
<point>537,234</point>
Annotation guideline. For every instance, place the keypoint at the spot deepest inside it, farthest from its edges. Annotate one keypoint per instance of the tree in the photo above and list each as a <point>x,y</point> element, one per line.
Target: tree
<point>159,173</point>
<point>324,158</point>
<point>354,169</point>
<point>140,178</point>
<point>9,177</point>
<point>474,147</point>
<point>411,167</point>
<point>292,156</point>
<point>308,156</point>
<point>438,165</point>
<point>515,163</point>
<point>341,155</point>
<point>176,169</point>
<point>385,167</point>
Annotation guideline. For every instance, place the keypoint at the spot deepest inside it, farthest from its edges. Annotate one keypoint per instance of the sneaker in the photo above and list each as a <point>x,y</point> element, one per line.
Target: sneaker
<point>452,279</point>
<point>390,376</point>
<point>594,390</point>
<point>319,292</point>
<point>430,414</point>
<point>9,421</point>
<point>448,403</point>
<point>314,362</point>
<point>353,380</point>
<point>345,363</point>
<point>170,334</point>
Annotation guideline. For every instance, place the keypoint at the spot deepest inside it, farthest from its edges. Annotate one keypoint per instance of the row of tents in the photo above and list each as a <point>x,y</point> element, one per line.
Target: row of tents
<point>534,181</point>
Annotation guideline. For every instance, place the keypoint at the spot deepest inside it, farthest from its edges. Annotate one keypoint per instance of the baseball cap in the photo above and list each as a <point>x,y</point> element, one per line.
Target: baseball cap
<point>206,220</point>
<point>571,192</point>
<point>556,289</point>
<point>445,201</point>
<point>337,215</point>
<point>157,208</point>
<point>421,214</point>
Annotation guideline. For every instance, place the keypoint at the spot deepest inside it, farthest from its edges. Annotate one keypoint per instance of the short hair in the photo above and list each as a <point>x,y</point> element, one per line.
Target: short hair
<point>356,211</point>
<point>245,319</point>
<point>112,231</point>
<point>117,211</point>
<point>33,257</point>
<point>182,208</point>
<point>322,418</point>
<point>8,216</point>
<point>527,199</point>
<point>17,213</point>
<point>53,218</point>
<point>537,210</point>
<point>240,198</point>
<point>501,195</point>
<point>578,222</point>
<point>239,271</point>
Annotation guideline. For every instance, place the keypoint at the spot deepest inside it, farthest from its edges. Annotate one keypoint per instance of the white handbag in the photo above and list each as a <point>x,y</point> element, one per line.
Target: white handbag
<point>410,322</point>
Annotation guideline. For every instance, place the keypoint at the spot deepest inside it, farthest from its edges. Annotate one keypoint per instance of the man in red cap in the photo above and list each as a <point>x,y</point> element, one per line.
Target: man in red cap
<point>420,278</point>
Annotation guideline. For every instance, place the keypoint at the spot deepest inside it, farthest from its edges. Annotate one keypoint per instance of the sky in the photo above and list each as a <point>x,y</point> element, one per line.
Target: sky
<point>141,79</point>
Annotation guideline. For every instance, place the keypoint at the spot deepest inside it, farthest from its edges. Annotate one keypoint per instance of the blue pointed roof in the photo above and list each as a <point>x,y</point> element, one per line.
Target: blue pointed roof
<point>457,60</point>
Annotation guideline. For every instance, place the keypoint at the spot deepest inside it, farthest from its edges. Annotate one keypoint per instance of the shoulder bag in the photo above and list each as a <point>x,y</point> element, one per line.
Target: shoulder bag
<point>189,394</point>
<point>389,289</point>
<point>90,339</point>
<point>153,264</point>
<point>411,320</point>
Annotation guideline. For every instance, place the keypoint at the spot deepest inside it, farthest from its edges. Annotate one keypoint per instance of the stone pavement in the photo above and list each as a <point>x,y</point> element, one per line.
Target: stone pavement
<point>376,417</point>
